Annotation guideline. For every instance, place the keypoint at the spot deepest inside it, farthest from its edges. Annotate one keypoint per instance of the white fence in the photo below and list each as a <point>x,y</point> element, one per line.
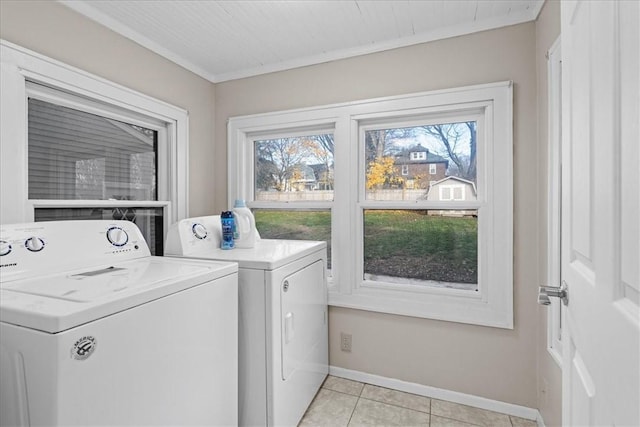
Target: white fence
<point>295,196</point>
<point>400,194</point>
<point>327,195</point>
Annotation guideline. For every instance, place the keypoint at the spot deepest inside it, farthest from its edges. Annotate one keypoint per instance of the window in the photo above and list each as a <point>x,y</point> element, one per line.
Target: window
<point>433,169</point>
<point>451,192</point>
<point>293,185</point>
<point>414,245</point>
<point>421,248</point>
<point>290,168</point>
<point>418,155</point>
<point>75,155</point>
<point>93,150</point>
<point>434,248</point>
<point>445,193</point>
<point>405,170</point>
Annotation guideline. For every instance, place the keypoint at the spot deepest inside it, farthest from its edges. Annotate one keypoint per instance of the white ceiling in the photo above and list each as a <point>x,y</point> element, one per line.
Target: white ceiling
<point>226,40</point>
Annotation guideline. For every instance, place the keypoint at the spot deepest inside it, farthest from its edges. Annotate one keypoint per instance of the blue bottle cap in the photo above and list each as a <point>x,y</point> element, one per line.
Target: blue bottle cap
<point>239,204</point>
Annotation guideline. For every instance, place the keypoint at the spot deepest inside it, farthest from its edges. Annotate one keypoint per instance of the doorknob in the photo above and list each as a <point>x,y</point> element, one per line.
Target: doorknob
<point>544,292</point>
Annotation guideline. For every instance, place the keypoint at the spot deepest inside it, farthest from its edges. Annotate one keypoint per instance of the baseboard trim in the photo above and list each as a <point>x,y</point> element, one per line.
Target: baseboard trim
<point>439,393</point>
<point>539,420</point>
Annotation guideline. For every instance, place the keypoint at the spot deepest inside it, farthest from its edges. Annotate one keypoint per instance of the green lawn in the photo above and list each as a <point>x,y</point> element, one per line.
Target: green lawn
<point>295,225</point>
<point>414,232</point>
<point>400,243</point>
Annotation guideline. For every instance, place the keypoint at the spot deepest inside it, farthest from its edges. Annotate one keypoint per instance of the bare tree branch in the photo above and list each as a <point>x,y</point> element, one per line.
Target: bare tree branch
<point>451,136</point>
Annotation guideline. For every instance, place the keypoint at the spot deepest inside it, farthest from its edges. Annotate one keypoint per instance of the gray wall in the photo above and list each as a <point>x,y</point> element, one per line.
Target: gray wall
<point>549,374</point>
<point>53,30</point>
<point>489,362</point>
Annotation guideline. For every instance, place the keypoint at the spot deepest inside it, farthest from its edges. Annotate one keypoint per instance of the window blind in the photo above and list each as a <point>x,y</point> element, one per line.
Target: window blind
<point>74,155</point>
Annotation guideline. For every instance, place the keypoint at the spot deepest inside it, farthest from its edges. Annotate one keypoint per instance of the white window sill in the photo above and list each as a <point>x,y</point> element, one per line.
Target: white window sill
<point>432,303</point>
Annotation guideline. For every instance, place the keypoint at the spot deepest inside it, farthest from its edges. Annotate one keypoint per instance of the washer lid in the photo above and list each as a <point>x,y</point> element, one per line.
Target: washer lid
<point>62,301</point>
<point>267,254</point>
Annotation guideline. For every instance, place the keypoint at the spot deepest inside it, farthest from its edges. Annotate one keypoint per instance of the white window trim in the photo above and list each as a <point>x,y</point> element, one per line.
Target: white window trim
<point>492,304</point>
<point>433,169</point>
<point>405,170</point>
<point>554,200</point>
<point>20,65</point>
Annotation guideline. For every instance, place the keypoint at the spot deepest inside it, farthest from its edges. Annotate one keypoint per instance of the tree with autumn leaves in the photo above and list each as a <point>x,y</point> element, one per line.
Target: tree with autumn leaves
<point>381,173</point>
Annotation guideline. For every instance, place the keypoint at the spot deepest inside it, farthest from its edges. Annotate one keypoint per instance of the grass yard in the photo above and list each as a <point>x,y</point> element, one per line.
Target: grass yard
<point>415,245</point>
<point>295,225</point>
<point>398,243</point>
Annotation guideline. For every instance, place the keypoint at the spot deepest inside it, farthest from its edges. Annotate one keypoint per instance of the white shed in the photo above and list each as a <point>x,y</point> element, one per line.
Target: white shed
<point>452,188</point>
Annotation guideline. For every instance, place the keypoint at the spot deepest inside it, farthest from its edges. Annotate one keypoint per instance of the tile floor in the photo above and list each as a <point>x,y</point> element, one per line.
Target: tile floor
<point>342,402</point>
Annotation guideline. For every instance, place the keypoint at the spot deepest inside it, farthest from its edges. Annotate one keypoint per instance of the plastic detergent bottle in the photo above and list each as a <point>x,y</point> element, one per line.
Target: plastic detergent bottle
<point>227,220</point>
<point>246,232</point>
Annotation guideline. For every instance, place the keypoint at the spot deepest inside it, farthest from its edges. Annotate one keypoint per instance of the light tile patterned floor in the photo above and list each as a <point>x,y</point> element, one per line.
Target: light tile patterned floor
<point>342,402</point>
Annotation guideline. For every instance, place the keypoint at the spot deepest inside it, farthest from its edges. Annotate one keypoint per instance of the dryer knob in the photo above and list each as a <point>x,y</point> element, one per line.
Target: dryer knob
<point>34,244</point>
<point>117,236</point>
<point>5,248</point>
<point>199,230</point>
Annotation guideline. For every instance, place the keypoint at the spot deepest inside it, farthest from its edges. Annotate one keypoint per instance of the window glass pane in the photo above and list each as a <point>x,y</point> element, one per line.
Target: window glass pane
<point>430,154</point>
<point>294,168</point>
<point>422,247</point>
<point>149,220</point>
<point>445,193</point>
<point>458,193</point>
<point>295,225</point>
<point>75,155</point>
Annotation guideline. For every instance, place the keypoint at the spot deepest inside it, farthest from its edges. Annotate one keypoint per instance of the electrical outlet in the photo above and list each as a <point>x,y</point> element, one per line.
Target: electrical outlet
<point>345,342</point>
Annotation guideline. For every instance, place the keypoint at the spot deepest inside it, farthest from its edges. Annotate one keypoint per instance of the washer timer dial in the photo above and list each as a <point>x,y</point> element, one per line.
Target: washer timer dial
<point>117,236</point>
<point>5,248</point>
<point>199,231</point>
<point>34,244</point>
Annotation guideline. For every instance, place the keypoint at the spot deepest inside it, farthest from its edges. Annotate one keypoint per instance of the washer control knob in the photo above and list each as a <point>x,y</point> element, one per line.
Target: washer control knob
<point>117,236</point>
<point>199,230</point>
<point>5,248</point>
<point>34,244</point>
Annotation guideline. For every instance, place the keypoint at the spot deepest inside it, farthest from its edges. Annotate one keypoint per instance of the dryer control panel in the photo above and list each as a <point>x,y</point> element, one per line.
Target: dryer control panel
<point>34,249</point>
<point>192,236</point>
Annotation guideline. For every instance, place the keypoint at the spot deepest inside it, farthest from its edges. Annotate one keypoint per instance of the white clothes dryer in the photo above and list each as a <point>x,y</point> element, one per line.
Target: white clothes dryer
<point>96,331</point>
<point>283,335</point>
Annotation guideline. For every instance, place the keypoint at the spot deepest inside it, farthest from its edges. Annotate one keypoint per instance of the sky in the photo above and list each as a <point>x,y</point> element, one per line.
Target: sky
<point>434,145</point>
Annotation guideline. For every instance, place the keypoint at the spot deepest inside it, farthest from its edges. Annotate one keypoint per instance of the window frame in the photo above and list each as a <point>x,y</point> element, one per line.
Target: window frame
<point>492,304</point>
<point>66,85</point>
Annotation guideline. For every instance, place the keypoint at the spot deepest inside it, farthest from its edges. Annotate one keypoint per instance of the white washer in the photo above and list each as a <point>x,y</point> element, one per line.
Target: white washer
<point>96,331</point>
<point>283,353</point>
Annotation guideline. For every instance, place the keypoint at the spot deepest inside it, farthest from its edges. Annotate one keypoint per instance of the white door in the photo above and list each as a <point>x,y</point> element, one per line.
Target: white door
<point>600,218</point>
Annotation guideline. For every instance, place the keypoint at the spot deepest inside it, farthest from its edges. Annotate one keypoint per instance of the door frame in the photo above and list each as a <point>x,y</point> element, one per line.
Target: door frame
<point>554,198</point>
